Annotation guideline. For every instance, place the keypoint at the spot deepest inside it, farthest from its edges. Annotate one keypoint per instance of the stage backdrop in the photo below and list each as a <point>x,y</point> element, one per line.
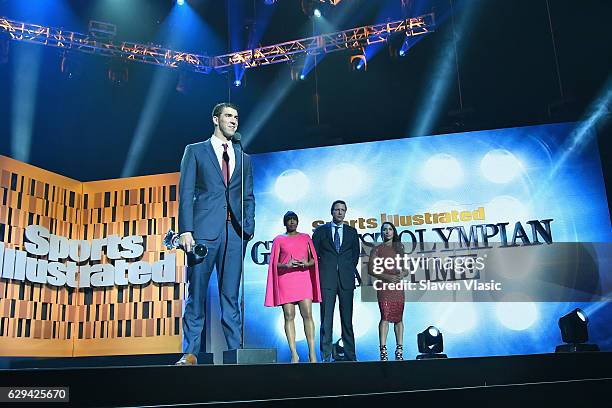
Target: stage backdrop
<point>84,271</point>
<point>512,176</point>
<point>82,265</point>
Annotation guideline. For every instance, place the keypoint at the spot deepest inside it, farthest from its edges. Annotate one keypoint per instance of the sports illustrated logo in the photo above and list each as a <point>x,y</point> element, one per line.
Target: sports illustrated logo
<point>75,263</point>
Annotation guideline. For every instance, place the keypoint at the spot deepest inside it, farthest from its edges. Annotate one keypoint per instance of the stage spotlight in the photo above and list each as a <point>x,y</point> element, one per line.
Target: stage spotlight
<point>575,333</point>
<point>118,73</point>
<point>297,70</point>
<point>70,66</point>
<point>308,7</point>
<point>180,2</point>
<point>184,84</point>
<point>238,77</point>
<point>358,61</point>
<point>430,343</point>
<point>338,353</point>
<point>314,7</point>
<point>402,53</point>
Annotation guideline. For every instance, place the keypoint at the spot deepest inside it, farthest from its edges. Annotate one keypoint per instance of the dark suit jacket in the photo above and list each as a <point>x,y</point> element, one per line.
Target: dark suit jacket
<point>333,264</point>
<point>202,204</point>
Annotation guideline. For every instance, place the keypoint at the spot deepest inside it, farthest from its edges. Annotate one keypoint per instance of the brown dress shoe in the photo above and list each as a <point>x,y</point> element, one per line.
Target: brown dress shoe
<point>187,359</point>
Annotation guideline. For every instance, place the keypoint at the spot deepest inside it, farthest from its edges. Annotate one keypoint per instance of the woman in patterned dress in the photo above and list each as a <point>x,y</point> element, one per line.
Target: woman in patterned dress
<point>390,301</point>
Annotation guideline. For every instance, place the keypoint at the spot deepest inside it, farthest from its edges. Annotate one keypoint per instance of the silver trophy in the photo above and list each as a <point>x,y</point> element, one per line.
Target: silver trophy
<point>195,256</point>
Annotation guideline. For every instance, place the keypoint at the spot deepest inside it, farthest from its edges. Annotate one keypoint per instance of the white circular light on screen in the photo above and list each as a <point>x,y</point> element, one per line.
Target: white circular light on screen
<point>443,171</point>
<point>292,185</point>
<point>456,318</point>
<point>500,166</point>
<point>516,315</point>
<point>345,180</point>
<point>505,209</point>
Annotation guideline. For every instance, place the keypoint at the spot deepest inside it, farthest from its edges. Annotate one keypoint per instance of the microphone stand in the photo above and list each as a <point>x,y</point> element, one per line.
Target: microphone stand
<point>239,141</point>
<point>252,356</point>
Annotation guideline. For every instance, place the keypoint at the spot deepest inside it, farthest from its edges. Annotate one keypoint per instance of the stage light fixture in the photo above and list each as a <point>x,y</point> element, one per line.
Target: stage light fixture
<point>180,2</point>
<point>308,7</point>
<point>574,332</point>
<point>358,61</point>
<point>70,66</point>
<point>297,70</point>
<point>185,82</point>
<point>315,8</point>
<point>237,83</point>
<point>430,343</point>
<point>118,73</point>
<point>338,353</point>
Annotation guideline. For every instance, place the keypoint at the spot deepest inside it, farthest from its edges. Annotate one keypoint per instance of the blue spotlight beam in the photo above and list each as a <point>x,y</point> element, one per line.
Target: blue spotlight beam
<point>26,67</point>
<point>272,54</point>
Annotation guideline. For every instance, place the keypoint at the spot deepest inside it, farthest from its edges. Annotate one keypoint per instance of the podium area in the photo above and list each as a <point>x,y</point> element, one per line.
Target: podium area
<point>545,379</point>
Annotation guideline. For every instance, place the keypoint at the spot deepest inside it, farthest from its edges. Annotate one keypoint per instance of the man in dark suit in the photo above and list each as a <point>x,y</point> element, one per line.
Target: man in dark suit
<point>210,212</point>
<point>337,247</point>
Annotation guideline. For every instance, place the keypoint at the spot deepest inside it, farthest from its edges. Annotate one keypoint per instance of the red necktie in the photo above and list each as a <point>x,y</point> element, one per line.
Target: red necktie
<point>225,171</point>
<point>225,164</point>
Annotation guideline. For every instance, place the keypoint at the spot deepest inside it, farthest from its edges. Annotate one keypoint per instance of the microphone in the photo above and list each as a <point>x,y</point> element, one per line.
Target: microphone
<point>237,138</point>
<point>195,256</point>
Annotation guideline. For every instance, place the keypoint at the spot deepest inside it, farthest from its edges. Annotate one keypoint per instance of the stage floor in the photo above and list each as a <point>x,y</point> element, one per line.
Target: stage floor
<point>493,381</point>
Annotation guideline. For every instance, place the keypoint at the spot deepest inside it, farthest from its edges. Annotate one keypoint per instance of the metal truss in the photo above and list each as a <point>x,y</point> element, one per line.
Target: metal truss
<point>325,43</point>
<point>271,54</point>
<point>72,41</point>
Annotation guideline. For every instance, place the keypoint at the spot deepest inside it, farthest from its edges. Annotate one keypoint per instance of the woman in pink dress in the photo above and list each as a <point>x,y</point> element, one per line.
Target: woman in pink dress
<point>293,279</point>
<point>390,301</point>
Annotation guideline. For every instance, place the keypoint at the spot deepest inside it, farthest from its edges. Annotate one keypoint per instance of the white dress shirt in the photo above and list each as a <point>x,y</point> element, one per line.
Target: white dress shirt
<point>217,145</point>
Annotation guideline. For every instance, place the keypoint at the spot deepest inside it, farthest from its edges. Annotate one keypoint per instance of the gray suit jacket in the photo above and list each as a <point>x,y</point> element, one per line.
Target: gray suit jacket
<point>202,203</point>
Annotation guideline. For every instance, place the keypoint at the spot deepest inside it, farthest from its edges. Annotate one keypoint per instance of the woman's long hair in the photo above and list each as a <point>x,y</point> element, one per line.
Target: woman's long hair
<point>396,242</point>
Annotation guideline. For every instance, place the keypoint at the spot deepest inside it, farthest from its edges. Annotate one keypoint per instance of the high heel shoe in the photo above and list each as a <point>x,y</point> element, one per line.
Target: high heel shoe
<point>399,352</point>
<point>384,356</point>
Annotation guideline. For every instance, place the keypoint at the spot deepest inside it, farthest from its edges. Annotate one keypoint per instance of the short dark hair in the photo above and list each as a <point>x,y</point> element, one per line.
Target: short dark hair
<point>288,215</point>
<point>220,106</point>
<point>338,202</point>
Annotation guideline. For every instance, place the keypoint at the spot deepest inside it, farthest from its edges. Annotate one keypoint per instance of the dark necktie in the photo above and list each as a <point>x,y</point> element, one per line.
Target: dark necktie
<point>337,239</point>
<point>225,164</point>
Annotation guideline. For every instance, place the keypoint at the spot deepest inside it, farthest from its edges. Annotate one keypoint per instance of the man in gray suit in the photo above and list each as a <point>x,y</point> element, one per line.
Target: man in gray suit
<point>337,246</point>
<point>210,212</point>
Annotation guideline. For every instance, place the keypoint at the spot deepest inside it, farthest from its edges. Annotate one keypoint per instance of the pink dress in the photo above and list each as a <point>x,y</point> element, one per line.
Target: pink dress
<point>294,284</point>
